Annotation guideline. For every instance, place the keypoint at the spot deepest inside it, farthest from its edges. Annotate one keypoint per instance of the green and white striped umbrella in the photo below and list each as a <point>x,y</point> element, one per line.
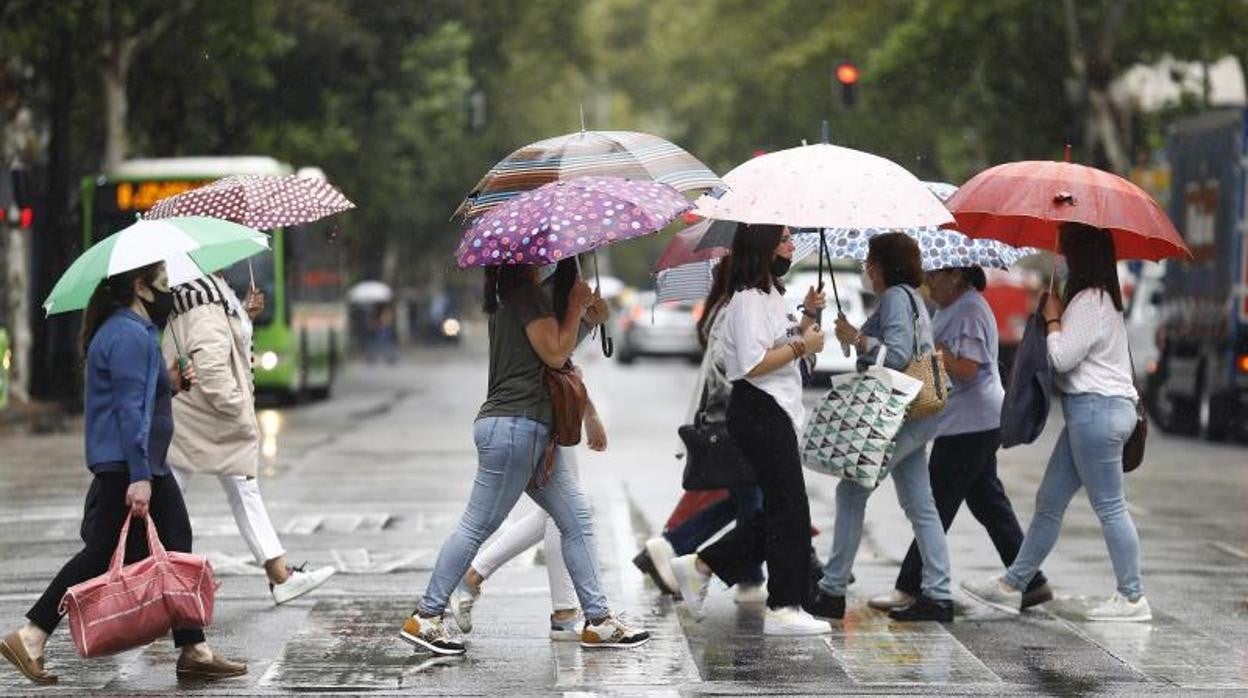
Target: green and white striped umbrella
<point>190,248</point>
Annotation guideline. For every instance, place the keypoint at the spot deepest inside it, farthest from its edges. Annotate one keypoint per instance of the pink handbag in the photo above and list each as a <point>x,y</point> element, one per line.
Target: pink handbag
<point>130,606</point>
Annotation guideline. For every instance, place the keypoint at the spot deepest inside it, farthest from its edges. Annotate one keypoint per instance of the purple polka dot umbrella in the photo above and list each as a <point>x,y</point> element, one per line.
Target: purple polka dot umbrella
<point>262,202</point>
<point>566,218</point>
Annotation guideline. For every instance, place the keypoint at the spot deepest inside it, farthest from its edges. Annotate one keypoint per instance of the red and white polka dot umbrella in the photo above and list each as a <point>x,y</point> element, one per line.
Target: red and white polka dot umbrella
<point>262,202</point>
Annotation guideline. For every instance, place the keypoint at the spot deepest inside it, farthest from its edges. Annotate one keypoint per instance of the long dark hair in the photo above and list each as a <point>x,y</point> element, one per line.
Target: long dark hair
<point>500,281</point>
<point>720,292</point>
<point>565,276</point>
<point>898,257</point>
<point>115,292</point>
<point>1090,259</point>
<point>753,248</point>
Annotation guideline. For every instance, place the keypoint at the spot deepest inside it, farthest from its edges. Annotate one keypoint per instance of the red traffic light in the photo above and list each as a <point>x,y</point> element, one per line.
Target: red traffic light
<point>847,74</point>
<point>26,218</point>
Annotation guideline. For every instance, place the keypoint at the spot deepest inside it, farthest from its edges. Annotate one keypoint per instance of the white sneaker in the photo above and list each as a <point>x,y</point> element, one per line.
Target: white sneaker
<point>566,630</point>
<point>996,593</point>
<point>661,554</point>
<point>612,633</point>
<point>892,600</point>
<point>750,594</point>
<point>300,582</point>
<point>691,583</point>
<point>792,620</point>
<point>460,605</point>
<point>1119,609</point>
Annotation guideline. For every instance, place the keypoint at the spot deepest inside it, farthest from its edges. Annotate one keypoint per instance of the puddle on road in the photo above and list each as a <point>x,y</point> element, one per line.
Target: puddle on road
<point>874,650</point>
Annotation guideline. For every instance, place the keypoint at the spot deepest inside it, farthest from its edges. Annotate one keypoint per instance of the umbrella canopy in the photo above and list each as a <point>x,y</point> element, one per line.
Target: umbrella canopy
<point>258,201</point>
<point>1023,203</point>
<point>942,249</point>
<point>190,247</point>
<point>566,218</point>
<point>692,281</point>
<point>626,154</point>
<point>824,186</point>
<point>370,292</point>
<point>685,247</point>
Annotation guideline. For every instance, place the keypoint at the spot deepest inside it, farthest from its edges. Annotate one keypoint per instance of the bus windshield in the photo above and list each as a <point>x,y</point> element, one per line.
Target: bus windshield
<point>239,276</point>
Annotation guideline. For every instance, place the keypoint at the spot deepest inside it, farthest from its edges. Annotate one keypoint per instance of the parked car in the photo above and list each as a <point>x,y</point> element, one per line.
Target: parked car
<point>856,303</point>
<point>648,328</point>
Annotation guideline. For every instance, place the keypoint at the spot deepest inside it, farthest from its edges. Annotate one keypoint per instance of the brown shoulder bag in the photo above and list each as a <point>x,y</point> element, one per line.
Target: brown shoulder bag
<point>568,400</point>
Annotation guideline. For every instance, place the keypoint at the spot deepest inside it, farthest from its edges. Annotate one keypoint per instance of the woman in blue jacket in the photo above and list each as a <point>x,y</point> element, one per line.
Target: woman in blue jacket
<point>129,424</point>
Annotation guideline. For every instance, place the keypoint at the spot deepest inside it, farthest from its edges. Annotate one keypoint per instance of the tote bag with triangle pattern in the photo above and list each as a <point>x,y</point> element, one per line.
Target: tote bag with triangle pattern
<point>850,431</point>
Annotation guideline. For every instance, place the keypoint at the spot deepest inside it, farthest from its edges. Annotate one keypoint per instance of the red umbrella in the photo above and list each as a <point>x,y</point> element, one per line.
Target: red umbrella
<point>683,248</point>
<point>1023,203</point>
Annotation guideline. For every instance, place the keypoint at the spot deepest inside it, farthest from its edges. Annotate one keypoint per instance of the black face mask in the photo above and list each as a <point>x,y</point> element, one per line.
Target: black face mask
<point>780,266</point>
<point>159,308</point>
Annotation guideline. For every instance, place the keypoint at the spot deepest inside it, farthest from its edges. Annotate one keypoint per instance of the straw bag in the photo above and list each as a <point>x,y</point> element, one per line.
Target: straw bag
<point>130,606</point>
<point>850,433</point>
<point>928,367</point>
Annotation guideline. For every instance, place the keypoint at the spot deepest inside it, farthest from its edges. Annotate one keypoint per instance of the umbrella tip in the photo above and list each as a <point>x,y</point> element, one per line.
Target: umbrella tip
<point>582,107</point>
<point>1068,148</point>
<point>826,132</point>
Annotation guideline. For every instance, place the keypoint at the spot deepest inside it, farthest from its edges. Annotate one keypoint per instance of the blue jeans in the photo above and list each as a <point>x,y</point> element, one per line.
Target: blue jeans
<point>908,469</point>
<point>1087,454</point>
<point>509,450</point>
<point>743,503</point>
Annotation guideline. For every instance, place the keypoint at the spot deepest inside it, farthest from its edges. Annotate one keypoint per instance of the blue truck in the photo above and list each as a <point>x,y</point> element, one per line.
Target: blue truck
<point>1200,386</point>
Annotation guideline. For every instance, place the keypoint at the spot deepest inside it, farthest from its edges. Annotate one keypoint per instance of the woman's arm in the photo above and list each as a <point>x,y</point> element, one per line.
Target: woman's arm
<point>554,341</point>
<point>781,356</point>
<point>133,362</point>
<point>1070,340</point>
<point>959,368</point>
<point>209,344</point>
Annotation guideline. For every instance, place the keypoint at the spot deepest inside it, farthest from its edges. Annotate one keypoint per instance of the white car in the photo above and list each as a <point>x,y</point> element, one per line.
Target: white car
<point>648,328</point>
<point>856,303</point>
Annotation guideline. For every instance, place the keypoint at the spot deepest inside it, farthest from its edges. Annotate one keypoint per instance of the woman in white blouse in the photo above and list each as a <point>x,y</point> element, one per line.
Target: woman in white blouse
<point>1087,342</point>
<point>762,344</point>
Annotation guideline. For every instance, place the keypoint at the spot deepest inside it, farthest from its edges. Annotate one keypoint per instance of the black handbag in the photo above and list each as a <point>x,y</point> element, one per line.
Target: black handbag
<point>713,460</point>
<point>1133,449</point>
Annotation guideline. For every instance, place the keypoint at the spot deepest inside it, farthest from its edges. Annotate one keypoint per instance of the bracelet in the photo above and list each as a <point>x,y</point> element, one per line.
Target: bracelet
<point>1051,321</point>
<point>799,348</point>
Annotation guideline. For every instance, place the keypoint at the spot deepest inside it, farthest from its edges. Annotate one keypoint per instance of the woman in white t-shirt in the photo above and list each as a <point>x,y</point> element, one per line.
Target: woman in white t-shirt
<point>1087,340</point>
<point>762,345</point>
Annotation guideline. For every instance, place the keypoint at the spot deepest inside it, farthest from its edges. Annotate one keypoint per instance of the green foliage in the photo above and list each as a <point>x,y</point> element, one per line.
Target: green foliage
<point>381,95</point>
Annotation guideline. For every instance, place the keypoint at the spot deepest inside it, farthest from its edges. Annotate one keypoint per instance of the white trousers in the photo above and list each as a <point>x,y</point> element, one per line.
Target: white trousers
<point>526,531</point>
<point>250,514</point>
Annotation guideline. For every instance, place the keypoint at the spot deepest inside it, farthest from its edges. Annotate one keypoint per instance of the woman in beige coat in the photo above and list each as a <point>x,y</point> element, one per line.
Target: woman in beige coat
<point>217,431</point>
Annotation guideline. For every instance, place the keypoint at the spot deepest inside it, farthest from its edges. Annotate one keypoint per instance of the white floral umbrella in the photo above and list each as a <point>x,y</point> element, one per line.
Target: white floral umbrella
<point>824,186</point>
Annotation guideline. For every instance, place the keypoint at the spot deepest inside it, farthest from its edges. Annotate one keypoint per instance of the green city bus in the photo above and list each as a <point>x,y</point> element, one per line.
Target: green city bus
<point>300,337</point>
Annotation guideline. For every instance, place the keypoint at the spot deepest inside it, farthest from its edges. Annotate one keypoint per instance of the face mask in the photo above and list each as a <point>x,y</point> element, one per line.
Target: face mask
<point>159,308</point>
<point>1063,271</point>
<point>780,266</point>
<point>545,272</point>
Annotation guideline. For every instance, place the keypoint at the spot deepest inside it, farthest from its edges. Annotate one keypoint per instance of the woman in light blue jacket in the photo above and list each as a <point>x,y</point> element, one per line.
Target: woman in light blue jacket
<point>895,267</point>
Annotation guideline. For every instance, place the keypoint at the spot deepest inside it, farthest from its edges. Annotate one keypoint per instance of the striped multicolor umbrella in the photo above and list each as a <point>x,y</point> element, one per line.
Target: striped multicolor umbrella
<point>189,247</point>
<point>692,281</point>
<point>262,202</point>
<point>626,154</point>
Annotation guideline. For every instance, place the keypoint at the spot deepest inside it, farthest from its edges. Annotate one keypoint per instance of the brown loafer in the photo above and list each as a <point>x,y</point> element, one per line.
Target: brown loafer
<point>14,651</point>
<point>218,668</point>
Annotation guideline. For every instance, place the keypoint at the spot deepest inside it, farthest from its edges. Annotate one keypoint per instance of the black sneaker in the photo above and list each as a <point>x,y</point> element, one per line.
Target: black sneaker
<point>1037,596</point>
<point>924,608</point>
<point>643,562</point>
<point>825,605</point>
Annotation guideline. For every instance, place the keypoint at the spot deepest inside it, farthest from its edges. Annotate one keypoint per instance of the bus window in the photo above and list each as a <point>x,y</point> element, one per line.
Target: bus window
<point>239,278</point>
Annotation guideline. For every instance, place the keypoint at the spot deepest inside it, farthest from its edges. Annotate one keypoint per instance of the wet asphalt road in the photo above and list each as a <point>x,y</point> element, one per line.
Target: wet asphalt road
<point>372,480</point>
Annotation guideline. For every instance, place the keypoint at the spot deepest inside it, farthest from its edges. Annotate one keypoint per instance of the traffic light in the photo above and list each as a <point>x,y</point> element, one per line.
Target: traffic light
<point>847,74</point>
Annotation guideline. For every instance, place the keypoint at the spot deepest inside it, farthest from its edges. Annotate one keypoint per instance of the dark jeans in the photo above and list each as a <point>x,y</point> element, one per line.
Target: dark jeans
<point>780,534</point>
<point>964,467</point>
<point>102,516</point>
<point>741,505</point>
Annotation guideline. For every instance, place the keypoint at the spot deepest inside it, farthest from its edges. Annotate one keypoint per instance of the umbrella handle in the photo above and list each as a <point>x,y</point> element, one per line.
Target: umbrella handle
<point>608,344</point>
<point>823,249</point>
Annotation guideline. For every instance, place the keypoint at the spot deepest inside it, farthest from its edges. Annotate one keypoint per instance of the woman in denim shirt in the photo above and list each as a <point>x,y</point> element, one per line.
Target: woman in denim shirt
<point>895,267</point>
<point>128,424</point>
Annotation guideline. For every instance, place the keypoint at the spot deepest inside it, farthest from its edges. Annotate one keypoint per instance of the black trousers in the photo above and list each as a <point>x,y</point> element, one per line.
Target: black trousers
<point>780,534</point>
<point>103,514</point>
<point>964,468</point>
